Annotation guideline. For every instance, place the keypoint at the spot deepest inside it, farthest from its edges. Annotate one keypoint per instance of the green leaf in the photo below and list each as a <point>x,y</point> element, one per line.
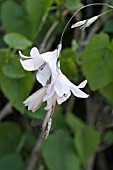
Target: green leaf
<point>13,69</point>
<point>37,11</point>
<point>11,161</point>
<point>58,153</point>
<point>17,41</point>
<point>26,143</point>
<point>86,139</point>
<point>86,142</point>
<point>59,120</point>
<point>68,65</point>
<point>97,61</point>
<point>29,142</point>
<point>107,92</point>
<point>14,18</point>
<point>73,4</point>
<point>10,134</point>
<point>74,123</point>
<point>16,90</point>
<point>58,2</point>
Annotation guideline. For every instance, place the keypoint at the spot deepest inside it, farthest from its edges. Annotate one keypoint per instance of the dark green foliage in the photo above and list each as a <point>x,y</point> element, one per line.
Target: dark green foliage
<point>97,61</point>
<point>10,134</point>
<point>63,156</point>
<point>73,139</point>
<point>86,138</point>
<point>11,161</point>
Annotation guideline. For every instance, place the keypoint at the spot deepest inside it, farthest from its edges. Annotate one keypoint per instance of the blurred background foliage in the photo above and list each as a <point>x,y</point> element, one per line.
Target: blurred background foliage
<point>82,134</point>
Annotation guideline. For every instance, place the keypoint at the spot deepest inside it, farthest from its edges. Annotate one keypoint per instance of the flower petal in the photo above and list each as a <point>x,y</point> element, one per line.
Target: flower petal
<point>23,56</point>
<point>35,100</point>
<point>50,102</point>
<point>82,85</point>
<point>61,86</point>
<point>51,59</point>
<point>34,53</point>
<point>77,92</point>
<point>34,62</point>
<point>45,119</point>
<point>91,20</point>
<point>62,99</point>
<point>43,74</point>
<point>29,65</point>
<point>77,24</point>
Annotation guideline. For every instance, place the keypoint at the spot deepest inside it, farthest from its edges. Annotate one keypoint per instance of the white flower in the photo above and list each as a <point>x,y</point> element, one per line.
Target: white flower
<point>85,23</point>
<point>58,90</point>
<point>45,63</point>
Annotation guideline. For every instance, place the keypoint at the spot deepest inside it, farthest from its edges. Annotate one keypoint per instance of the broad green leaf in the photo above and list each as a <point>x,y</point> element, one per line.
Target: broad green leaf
<point>58,153</point>
<point>59,120</point>
<point>73,4</point>
<point>29,142</point>
<point>26,143</point>
<point>13,69</point>
<point>17,90</point>
<point>37,11</point>
<point>10,134</point>
<point>86,139</point>
<point>68,65</point>
<point>59,2</point>
<point>107,92</point>
<point>11,162</point>
<point>86,142</point>
<point>17,41</point>
<point>14,18</point>
<point>74,123</point>
<point>97,61</point>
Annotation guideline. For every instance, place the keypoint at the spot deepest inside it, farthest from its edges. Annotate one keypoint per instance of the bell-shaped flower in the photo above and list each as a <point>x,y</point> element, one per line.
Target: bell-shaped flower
<point>58,90</point>
<point>45,63</point>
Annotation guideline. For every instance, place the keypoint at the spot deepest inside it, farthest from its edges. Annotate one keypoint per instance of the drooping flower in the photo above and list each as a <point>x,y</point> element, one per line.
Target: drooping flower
<point>45,63</point>
<point>59,89</point>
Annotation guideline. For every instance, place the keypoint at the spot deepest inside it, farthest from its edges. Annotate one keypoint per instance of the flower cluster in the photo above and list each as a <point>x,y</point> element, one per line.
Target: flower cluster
<point>58,90</point>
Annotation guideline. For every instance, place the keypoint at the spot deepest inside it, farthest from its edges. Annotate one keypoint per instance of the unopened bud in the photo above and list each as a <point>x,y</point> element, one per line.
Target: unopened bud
<point>85,23</point>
